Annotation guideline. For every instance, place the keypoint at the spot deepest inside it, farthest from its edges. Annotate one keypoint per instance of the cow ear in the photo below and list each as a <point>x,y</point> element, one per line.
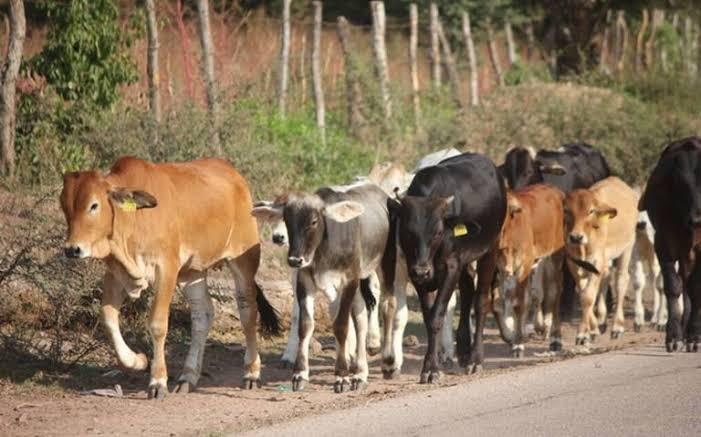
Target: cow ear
<point>554,169</point>
<point>344,211</point>
<point>450,208</point>
<point>514,205</point>
<point>606,212</point>
<point>393,207</point>
<point>131,200</point>
<point>267,211</point>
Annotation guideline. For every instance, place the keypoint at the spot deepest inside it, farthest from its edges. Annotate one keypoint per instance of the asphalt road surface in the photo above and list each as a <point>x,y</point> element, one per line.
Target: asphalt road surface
<point>634,392</point>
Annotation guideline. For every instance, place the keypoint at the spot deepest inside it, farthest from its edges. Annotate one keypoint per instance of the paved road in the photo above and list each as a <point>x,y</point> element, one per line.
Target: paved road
<point>632,392</point>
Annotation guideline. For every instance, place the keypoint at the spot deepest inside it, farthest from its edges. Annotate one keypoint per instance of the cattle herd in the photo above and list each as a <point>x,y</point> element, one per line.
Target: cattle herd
<point>536,232</point>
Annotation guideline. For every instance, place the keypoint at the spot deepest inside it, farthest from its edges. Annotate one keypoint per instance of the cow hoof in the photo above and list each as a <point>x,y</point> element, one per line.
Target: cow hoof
<point>692,346</point>
<point>250,383</point>
<point>582,340</point>
<point>517,351</point>
<point>284,364</point>
<point>556,346</point>
<point>448,363</point>
<point>637,327</point>
<point>391,373</point>
<point>341,384</point>
<point>374,350</point>
<point>473,369</point>
<point>661,328</point>
<point>615,335</point>
<point>464,360</point>
<point>430,377</point>
<point>298,383</point>
<point>184,387</point>
<point>602,328</point>
<point>157,391</point>
<point>673,346</point>
<point>358,384</point>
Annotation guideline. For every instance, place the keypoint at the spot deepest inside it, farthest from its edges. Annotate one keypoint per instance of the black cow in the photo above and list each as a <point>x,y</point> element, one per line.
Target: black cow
<point>572,166</point>
<point>672,199</point>
<point>450,216</point>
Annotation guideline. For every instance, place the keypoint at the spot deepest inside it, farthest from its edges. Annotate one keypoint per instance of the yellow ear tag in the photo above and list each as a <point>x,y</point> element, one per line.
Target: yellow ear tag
<point>459,230</point>
<point>605,217</point>
<point>128,205</point>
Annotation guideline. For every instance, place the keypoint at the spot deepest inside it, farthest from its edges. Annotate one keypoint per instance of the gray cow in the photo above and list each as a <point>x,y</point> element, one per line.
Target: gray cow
<point>336,239</point>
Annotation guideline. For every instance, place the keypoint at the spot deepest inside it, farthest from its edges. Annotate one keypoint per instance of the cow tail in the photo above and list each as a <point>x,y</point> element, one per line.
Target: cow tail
<point>366,292</point>
<point>269,317</point>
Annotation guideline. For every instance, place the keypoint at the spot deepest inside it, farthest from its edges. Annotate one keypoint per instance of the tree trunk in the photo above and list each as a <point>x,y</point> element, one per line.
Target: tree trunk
<point>378,37</point>
<point>663,49</point>
<point>621,41</point>
<point>154,96</point>
<point>284,56</point>
<point>9,78</point>
<point>530,40</point>
<point>604,55</point>
<point>356,120</point>
<point>493,53</point>
<point>413,54</point>
<point>511,45</point>
<point>208,67</point>
<point>435,46</point>
<point>650,44</point>
<point>472,60</point>
<point>302,71</point>
<point>450,65</point>
<point>639,42</point>
<point>316,72</point>
<point>185,42</point>
<point>690,47</point>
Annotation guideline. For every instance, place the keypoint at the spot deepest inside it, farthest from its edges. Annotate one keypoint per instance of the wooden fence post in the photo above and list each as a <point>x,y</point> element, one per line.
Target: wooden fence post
<point>472,60</point>
<point>435,46</point>
<point>316,71</point>
<point>639,42</point>
<point>152,68</point>
<point>10,70</point>
<point>450,65</point>
<point>493,53</point>
<point>284,56</point>
<point>356,120</point>
<point>378,37</point>
<point>414,71</point>
<point>208,67</point>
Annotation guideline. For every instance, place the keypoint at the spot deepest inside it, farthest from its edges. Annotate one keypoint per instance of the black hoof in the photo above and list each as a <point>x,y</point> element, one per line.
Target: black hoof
<point>391,373</point>
<point>184,387</point>
<point>556,346</point>
<point>517,353</point>
<point>473,369</point>
<point>602,328</point>
<point>374,350</point>
<point>284,364</point>
<point>673,346</point>
<point>661,328</point>
<point>298,383</point>
<point>430,377</point>
<point>637,327</point>
<point>581,341</point>
<point>251,383</point>
<point>340,386</point>
<point>692,347</point>
<point>358,384</point>
<point>157,391</point>
<point>615,335</point>
<point>463,360</point>
<point>448,363</point>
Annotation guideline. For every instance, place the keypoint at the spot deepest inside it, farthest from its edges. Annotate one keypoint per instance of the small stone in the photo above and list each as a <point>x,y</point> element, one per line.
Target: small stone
<point>411,341</point>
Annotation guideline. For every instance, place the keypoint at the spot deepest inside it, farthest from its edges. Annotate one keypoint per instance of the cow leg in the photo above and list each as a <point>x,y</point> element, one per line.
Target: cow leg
<point>503,313</point>
<point>520,309</point>
<point>201,317</point>
<point>659,312</point>
<point>374,341</point>
<point>587,296</point>
<point>305,291</point>
<point>537,297</point>
<point>447,345</point>
<point>602,305</point>
<point>244,269</point>
<point>289,356</point>
<point>552,290</point>
<point>395,315</point>
<point>340,330</point>
<point>639,285</point>
<point>464,338</point>
<point>673,290</point>
<point>434,315</point>
<point>693,326</point>
<point>486,266</point>
<point>166,279</point>
<point>112,298</point>
<point>621,279</point>
<point>359,314</point>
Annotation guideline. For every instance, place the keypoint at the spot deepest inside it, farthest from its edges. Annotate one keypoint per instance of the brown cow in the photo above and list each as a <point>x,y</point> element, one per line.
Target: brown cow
<point>167,224</point>
<point>600,223</point>
<point>532,234</point>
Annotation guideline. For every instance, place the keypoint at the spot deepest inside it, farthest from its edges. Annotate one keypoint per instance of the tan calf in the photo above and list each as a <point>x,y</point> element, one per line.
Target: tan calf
<point>600,223</point>
<point>162,225</point>
<point>532,234</point>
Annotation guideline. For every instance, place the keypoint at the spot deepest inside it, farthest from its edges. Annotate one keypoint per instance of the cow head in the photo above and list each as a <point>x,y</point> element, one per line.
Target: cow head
<point>305,218</point>
<point>687,187</point>
<point>586,219</point>
<point>279,229</point>
<point>89,203</point>
<point>424,224</point>
<point>514,240</point>
<point>520,168</point>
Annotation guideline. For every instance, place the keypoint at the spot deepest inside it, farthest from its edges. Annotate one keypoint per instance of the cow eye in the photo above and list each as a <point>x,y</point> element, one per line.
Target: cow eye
<point>93,207</point>
<point>314,222</point>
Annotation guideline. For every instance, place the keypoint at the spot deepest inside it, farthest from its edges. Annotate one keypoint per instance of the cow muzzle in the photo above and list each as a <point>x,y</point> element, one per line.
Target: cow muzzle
<point>74,251</point>
<point>574,238</point>
<point>279,239</point>
<point>421,272</point>
<point>297,262</point>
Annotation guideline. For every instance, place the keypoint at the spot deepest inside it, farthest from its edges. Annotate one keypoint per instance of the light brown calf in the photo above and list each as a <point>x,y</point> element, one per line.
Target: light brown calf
<point>162,225</point>
<point>532,234</point>
<point>600,223</point>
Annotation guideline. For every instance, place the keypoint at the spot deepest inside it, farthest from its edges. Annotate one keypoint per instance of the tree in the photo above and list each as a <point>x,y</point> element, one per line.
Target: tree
<point>152,61</point>
<point>208,68</point>
<point>9,78</point>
